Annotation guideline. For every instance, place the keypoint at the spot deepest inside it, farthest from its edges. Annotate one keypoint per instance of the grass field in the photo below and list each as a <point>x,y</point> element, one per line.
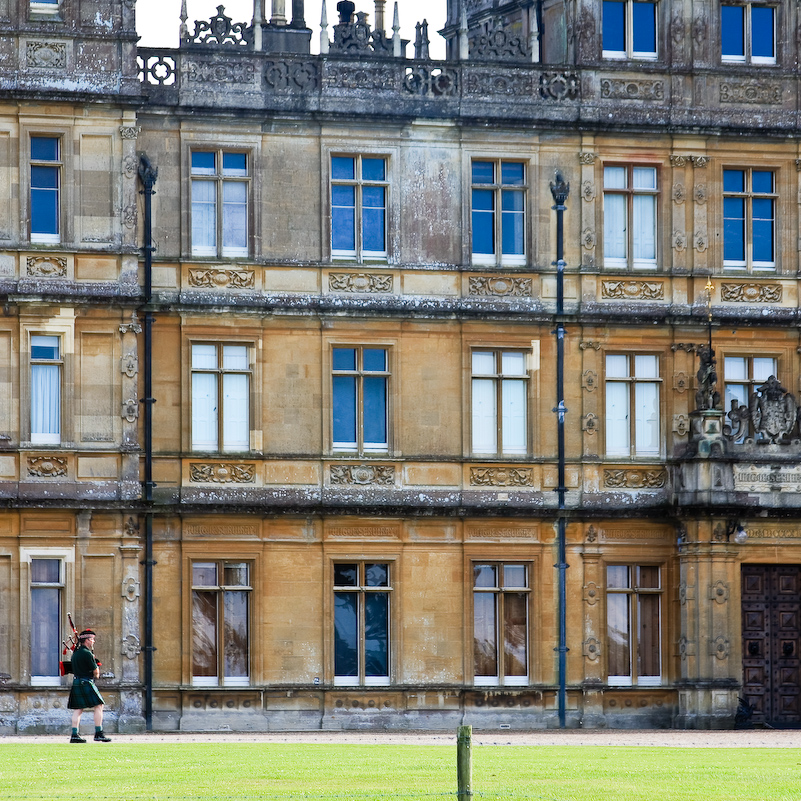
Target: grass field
<point>205,771</point>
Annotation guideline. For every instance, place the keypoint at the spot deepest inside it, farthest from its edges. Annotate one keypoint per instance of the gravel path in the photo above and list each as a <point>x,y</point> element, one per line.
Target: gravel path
<point>756,738</point>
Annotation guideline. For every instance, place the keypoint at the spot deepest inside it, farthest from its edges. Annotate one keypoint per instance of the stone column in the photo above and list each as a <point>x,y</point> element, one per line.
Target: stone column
<point>130,486</point>
<point>592,645</point>
<point>279,13</point>
<point>131,717</point>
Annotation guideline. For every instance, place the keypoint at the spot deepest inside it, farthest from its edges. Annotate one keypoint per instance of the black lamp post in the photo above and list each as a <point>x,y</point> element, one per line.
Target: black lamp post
<point>560,189</point>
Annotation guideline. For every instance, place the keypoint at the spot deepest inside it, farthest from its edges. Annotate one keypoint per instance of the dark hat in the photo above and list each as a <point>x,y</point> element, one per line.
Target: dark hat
<point>86,633</point>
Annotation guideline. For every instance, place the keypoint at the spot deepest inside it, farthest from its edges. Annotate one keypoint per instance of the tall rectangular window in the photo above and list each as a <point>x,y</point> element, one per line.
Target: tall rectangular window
<point>220,397</point>
<point>748,33</point>
<point>46,366</point>
<point>45,189</point>
<point>498,209</point>
<point>743,374</point>
<point>362,593</point>
<point>499,390</point>
<point>749,219</point>
<point>359,188</point>
<point>221,623</point>
<point>632,405</point>
<point>630,198</point>
<point>629,29</point>
<point>500,623</point>
<point>634,625</point>
<point>360,384</point>
<point>220,186</point>
<point>47,586</point>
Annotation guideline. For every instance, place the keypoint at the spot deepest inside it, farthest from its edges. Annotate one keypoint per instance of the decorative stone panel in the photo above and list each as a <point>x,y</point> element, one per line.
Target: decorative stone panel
<point>634,478</point>
<point>360,282</point>
<point>501,477</point>
<point>363,474</point>
<point>47,466</point>
<point>222,473</point>
<point>428,82</point>
<point>623,89</point>
<point>212,278</point>
<point>46,55</point>
<point>499,286</point>
<point>290,76</point>
<point>591,649</point>
<point>363,77</point>
<point>768,93</point>
<point>217,72</point>
<point>751,293</point>
<point>592,593</point>
<point>46,266</point>
<point>719,592</point>
<point>633,290</point>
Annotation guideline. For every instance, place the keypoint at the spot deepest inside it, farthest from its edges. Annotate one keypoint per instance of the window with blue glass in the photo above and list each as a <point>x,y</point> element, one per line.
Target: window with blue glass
<point>360,383</point>
<point>498,211</point>
<point>362,593</point>
<point>748,33</point>
<point>629,29</point>
<point>220,185</point>
<point>749,219</point>
<point>45,189</point>
<point>46,366</point>
<point>359,189</point>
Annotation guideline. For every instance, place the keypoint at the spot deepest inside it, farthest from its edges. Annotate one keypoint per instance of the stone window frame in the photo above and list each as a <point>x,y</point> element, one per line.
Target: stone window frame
<point>748,35</point>
<point>629,53</point>
<point>45,10</point>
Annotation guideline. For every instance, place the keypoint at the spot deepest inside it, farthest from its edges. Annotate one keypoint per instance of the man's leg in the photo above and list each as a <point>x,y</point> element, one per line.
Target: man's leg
<point>99,734</point>
<point>76,722</point>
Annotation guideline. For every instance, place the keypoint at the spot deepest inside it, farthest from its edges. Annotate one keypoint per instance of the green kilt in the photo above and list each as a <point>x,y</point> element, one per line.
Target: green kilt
<point>84,695</point>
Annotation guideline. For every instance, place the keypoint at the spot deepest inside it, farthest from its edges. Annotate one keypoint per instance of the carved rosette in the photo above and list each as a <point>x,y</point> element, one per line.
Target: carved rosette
<point>360,282</point>
<point>634,478</point>
<point>751,293</point>
<point>719,592</point>
<point>221,279</point>
<point>46,266</point>
<point>222,473</point>
<point>47,466</point>
<point>591,649</point>
<point>363,474</point>
<point>633,290</point>
<point>499,286</point>
<point>501,477</point>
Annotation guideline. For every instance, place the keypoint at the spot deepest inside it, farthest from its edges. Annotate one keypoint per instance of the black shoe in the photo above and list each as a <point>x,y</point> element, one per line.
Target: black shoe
<point>100,737</point>
<point>76,738</point>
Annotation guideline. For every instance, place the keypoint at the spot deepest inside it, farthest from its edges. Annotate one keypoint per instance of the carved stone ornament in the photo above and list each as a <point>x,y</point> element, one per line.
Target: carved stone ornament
<point>46,55</point>
<point>759,93</point>
<point>699,194</point>
<point>677,28</point>
<point>559,86</point>
<point>130,588</point>
<point>687,347</point>
<point>589,423</point>
<point>751,293</point>
<point>706,394</point>
<point>133,327</point>
<point>588,238</point>
<point>221,31</point>
<point>213,278</point>
<point>589,380</point>
<point>701,243</point>
<point>623,89</point>
<point>129,216</point>
<point>680,160</point>
<point>360,282</point>
<point>681,381</point>
<point>129,132</point>
<point>591,649</point>
<point>129,364</point>
<point>679,241</point>
<point>773,411</point>
<point>592,536</point>
<point>211,71</point>
<point>679,193</point>
<point>719,592</point>
<point>587,157</point>
<point>130,165</point>
<point>633,290</point>
<point>222,473</point>
<point>588,191</point>
<point>589,343</point>
<point>498,43</point>
<point>289,76</point>
<point>363,474</point>
<point>46,266</point>
<point>432,82</point>
<point>699,30</point>
<point>47,466</point>
<point>719,647</point>
<point>719,533</point>
<point>700,161</point>
<point>507,81</point>
<point>683,593</point>
<point>500,286</point>
<point>357,38</point>
<point>131,647</point>
<point>633,478</point>
<point>686,647</point>
<point>130,410</point>
<point>798,161</point>
<point>501,477</point>
<point>131,527</point>
<point>363,77</point>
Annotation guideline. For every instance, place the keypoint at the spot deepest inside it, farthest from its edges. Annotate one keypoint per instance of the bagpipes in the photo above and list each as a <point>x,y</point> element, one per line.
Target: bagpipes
<point>69,645</point>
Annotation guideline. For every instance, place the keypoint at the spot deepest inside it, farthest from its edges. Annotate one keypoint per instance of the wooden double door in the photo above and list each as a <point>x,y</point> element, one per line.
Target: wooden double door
<point>771,615</point>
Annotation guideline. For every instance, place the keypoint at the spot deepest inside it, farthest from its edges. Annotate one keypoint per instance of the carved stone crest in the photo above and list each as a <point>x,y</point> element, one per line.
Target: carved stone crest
<point>222,473</point>
<point>773,411</point>
<point>47,266</point>
<point>221,279</point>
<point>360,282</point>
<point>630,478</point>
<point>633,290</point>
<point>363,474</point>
<point>622,89</point>
<point>47,466</point>
<point>751,293</point>
<point>46,55</point>
<point>501,476</point>
<point>499,286</point>
<point>130,410</point>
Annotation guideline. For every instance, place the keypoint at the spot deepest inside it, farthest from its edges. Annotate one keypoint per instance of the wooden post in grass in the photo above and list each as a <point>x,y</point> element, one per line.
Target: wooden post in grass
<point>464,762</point>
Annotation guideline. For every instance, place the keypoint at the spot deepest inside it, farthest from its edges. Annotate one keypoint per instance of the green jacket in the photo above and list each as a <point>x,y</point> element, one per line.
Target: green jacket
<point>83,663</point>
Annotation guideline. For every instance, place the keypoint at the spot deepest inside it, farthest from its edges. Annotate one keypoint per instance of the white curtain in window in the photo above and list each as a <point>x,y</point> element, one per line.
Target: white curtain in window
<point>236,417</point>
<point>513,422</point>
<point>45,403</point>
<point>485,426</point>
<point>644,230</point>
<point>204,217</point>
<point>617,418</point>
<point>235,218</point>
<point>204,411</point>
<point>615,227</point>
<point>646,401</point>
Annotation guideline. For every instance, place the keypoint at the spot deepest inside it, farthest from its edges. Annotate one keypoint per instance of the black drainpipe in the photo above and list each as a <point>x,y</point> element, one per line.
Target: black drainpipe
<point>560,190</point>
<point>148,175</point>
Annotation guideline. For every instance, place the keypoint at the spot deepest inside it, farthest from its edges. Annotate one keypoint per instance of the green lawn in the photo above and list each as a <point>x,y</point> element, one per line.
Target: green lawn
<point>132,772</point>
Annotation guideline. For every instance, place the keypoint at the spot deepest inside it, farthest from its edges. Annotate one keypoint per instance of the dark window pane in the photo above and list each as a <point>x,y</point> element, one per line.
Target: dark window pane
<point>648,577</point>
<point>617,626</point>
<point>44,348</point>
<point>345,409</point>
<point>204,162</point>
<point>236,163</point>
<point>376,575</point>
<point>45,571</point>
<point>375,410</point>
<point>733,181</point>
<point>45,630</point>
<point>512,173</point>
<point>204,634</point>
<point>344,358</point>
<point>483,172</point>
<point>762,32</point>
<point>614,26</point>
<point>644,27</point>
<point>732,31</point>
<point>236,575</point>
<point>346,660</point>
<point>485,635</point>
<point>515,634</point>
<point>762,182</point>
<point>374,359</point>
<point>373,169</point>
<point>376,634</point>
<point>44,148</point>
<point>235,634</point>
<point>648,645</point>
<point>343,167</point>
<point>346,575</point>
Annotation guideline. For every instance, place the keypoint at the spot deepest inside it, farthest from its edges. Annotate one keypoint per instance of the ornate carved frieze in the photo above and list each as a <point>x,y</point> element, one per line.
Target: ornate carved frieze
<point>515,83</point>
<point>211,71</point>
<point>221,31</point>
<point>751,293</point>
<point>361,77</point>
<point>559,86</point>
<point>46,266</point>
<point>46,55</point>
<point>586,157</point>
<point>499,286</point>
<point>129,131</point>
<point>768,479</point>
<point>501,477</point>
<point>635,478</point>
<point>624,89</point>
<point>213,278</point>
<point>360,282</point>
<point>633,290</point>
<point>679,193</point>
<point>767,93</point>
<point>431,82</point>
<point>222,472</point>
<point>363,474</point>
<point>47,466</point>
<point>289,76</point>
<point>498,43</point>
